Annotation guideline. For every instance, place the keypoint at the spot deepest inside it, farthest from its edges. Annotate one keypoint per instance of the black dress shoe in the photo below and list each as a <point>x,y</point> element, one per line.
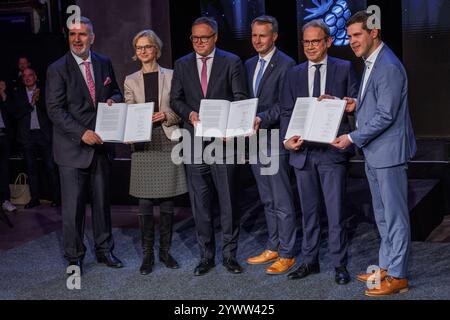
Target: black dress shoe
<point>342,276</point>
<point>78,263</point>
<point>147,263</point>
<point>33,203</point>
<point>204,267</point>
<point>109,259</point>
<point>232,266</point>
<point>168,260</point>
<point>304,270</point>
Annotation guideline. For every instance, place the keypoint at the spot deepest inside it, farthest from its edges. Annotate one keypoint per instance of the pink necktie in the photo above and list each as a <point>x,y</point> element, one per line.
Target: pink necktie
<point>204,75</point>
<point>90,81</point>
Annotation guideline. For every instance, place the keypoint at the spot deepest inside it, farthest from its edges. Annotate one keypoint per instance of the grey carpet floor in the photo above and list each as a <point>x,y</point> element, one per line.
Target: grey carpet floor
<point>36,270</point>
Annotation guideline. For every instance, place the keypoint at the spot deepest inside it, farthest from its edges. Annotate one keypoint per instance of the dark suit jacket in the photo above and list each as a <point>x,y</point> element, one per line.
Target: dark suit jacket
<point>22,112</point>
<point>341,82</point>
<point>5,108</point>
<point>269,90</point>
<point>71,109</point>
<point>227,82</point>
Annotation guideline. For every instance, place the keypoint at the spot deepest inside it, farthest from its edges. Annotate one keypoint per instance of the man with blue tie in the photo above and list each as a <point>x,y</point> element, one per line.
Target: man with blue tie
<point>321,170</point>
<point>265,75</point>
<point>385,135</point>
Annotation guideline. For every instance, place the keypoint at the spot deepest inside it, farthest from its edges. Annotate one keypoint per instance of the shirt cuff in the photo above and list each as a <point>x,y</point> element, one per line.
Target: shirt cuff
<point>350,138</point>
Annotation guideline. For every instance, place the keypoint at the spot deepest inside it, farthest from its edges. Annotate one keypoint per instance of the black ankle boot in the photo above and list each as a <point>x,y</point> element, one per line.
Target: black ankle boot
<point>148,238</point>
<point>147,263</point>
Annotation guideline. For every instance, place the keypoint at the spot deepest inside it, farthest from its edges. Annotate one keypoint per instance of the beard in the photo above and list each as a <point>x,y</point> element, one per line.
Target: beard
<point>80,52</point>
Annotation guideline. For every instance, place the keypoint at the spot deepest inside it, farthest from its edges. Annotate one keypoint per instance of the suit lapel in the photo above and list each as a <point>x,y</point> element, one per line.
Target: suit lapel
<point>268,72</point>
<point>251,73</point>
<point>75,70</point>
<point>160,86</point>
<point>215,71</point>
<point>194,74</point>
<point>140,90</point>
<point>370,80</point>
<point>331,71</point>
<point>303,81</point>
<point>360,87</point>
<point>96,65</point>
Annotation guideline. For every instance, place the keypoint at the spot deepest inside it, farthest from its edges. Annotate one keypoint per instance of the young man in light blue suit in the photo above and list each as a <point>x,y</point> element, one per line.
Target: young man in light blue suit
<point>385,135</point>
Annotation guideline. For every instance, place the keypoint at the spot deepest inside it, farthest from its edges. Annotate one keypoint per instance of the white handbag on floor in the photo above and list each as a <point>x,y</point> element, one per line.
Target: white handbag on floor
<point>20,190</point>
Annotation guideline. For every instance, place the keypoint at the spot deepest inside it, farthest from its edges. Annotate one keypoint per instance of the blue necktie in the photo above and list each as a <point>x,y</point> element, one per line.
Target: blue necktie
<point>262,62</point>
<point>316,90</point>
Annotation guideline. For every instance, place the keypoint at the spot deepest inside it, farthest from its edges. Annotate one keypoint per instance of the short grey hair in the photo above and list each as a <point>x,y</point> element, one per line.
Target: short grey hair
<point>264,19</point>
<point>86,21</point>
<point>318,23</point>
<point>208,21</point>
<point>152,37</point>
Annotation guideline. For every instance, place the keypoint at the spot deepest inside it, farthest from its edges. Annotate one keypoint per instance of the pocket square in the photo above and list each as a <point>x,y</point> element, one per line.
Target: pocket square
<point>107,81</point>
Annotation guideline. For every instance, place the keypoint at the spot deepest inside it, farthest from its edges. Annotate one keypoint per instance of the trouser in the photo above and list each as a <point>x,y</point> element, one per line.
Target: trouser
<point>75,183</point>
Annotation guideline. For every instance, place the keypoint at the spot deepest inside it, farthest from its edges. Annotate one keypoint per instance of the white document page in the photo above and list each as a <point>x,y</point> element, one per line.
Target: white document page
<point>298,123</point>
<point>138,126</point>
<point>110,124</point>
<point>213,116</point>
<point>325,120</point>
<point>241,118</point>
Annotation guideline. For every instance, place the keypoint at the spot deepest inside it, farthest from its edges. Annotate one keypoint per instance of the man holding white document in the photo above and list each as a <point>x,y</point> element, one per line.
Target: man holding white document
<point>208,73</point>
<point>320,169</point>
<point>265,75</point>
<point>76,83</point>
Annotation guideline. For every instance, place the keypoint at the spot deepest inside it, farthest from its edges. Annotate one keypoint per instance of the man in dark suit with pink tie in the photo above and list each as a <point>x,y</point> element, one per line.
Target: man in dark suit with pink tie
<point>75,84</point>
<point>209,73</point>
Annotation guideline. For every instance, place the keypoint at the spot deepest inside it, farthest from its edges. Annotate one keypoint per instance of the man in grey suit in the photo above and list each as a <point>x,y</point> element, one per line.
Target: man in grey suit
<point>265,75</point>
<point>75,84</point>
<point>209,73</point>
<point>385,135</point>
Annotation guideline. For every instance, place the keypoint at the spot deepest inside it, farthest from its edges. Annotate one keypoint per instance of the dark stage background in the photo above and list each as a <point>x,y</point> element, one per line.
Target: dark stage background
<point>417,30</point>
<point>426,44</point>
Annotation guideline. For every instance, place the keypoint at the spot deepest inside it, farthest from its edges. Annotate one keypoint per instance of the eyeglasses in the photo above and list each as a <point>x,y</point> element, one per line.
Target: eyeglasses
<point>203,39</point>
<point>314,43</point>
<point>146,47</point>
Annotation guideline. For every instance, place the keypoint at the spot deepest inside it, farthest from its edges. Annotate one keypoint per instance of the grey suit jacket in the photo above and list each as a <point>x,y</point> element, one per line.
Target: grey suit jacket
<point>384,131</point>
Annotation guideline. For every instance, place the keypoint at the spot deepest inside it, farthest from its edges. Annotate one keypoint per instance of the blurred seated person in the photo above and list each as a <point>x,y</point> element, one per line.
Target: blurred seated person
<point>35,134</point>
<point>5,147</point>
<point>23,62</point>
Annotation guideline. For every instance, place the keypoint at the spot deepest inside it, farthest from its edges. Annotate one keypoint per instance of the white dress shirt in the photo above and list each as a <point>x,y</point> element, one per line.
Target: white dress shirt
<point>267,59</point>
<point>369,63</point>
<point>81,62</point>
<point>209,64</point>
<point>34,122</point>
<point>323,76</point>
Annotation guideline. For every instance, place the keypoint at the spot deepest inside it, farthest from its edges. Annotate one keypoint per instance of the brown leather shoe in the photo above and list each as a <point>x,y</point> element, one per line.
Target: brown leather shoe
<point>265,257</point>
<point>282,265</point>
<point>389,286</point>
<point>365,276</point>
